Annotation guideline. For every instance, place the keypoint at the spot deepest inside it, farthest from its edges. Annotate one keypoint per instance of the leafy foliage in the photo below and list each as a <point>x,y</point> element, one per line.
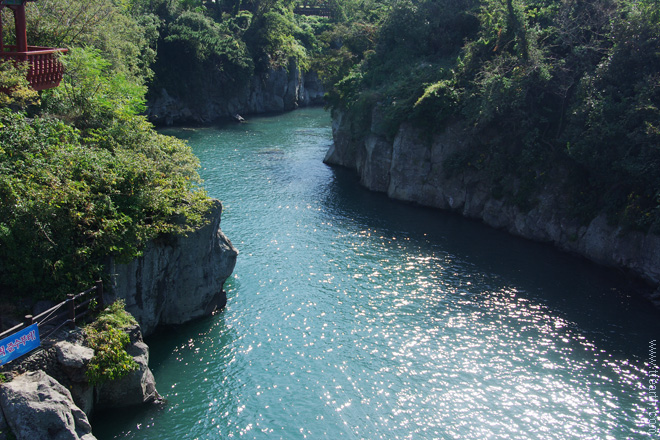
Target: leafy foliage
<point>69,198</point>
<point>14,88</point>
<point>542,84</point>
<point>125,41</point>
<point>92,94</point>
<point>108,338</point>
<point>196,51</point>
<point>115,316</point>
<point>220,45</point>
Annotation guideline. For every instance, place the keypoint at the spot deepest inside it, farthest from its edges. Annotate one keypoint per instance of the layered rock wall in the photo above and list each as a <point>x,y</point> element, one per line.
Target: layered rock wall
<point>413,168</point>
<point>274,91</point>
<point>178,279</point>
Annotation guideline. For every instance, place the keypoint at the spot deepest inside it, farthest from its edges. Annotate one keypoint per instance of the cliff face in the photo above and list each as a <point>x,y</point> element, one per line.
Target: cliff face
<point>414,168</point>
<point>274,91</point>
<point>177,280</point>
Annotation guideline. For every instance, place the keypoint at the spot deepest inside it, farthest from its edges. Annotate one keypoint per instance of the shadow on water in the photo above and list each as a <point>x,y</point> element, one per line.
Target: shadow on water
<point>605,301</point>
<point>171,350</point>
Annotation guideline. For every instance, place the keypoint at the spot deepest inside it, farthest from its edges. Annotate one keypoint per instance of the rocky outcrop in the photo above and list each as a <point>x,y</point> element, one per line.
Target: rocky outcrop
<point>62,366</point>
<point>178,279</point>
<point>67,361</point>
<point>415,167</point>
<point>36,406</point>
<point>137,387</point>
<point>274,91</point>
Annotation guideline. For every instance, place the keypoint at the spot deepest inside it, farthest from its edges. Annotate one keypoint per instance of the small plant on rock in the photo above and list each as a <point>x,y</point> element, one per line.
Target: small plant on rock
<point>108,338</point>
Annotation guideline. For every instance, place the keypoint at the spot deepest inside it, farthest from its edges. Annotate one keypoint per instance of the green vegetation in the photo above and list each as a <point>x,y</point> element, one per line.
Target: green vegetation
<point>82,175</point>
<point>108,338</point>
<point>542,85</point>
<point>218,46</point>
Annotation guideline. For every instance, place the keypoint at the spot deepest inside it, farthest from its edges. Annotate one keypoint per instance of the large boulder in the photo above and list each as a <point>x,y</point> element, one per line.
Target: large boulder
<point>178,279</point>
<point>72,360</point>
<point>36,406</point>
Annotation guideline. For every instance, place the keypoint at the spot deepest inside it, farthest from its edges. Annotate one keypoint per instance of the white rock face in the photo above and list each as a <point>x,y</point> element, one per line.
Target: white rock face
<point>177,280</point>
<point>36,406</point>
<point>413,168</point>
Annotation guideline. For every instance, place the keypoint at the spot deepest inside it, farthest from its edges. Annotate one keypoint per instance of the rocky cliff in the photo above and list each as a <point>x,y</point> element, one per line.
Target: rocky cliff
<point>50,395</point>
<point>276,90</point>
<point>416,167</point>
<point>178,279</point>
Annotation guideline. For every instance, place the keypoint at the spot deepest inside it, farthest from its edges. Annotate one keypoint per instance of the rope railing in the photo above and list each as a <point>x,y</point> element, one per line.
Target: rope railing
<point>65,313</point>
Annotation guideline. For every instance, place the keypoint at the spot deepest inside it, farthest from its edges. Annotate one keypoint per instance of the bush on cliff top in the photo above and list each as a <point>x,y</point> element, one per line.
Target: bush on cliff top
<point>71,198</point>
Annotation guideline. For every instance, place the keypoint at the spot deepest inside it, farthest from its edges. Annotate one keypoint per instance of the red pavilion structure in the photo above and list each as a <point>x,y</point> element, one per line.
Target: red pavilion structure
<point>45,70</point>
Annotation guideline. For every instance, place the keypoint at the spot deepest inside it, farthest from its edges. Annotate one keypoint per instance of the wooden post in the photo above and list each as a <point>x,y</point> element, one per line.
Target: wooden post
<point>99,294</point>
<point>20,27</point>
<point>28,320</point>
<point>72,311</point>
<point>2,43</point>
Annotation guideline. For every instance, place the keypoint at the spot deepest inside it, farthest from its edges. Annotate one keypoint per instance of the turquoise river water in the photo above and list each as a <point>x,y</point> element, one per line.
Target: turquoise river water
<point>353,316</point>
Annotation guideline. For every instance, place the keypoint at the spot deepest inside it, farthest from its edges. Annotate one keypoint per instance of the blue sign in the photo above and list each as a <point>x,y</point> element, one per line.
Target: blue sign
<point>19,343</point>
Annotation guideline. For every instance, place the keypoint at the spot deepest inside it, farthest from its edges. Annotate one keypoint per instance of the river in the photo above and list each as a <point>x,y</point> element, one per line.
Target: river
<point>353,316</point>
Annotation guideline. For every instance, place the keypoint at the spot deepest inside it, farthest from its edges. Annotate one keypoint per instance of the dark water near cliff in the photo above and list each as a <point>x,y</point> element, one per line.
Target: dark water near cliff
<point>353,316</point>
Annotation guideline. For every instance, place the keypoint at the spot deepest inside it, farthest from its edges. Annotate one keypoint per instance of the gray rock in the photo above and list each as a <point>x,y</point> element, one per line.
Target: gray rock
<point>38,407</point>
<point>412,168</point>
<point>72,360</point>
<point>137,387</point>
<point>177,280</point>
<point>4,428</point>
<point>276,90</point>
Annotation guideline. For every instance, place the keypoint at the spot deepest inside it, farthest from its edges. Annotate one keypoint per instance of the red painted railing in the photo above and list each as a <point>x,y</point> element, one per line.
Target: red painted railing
<point>45,69</point>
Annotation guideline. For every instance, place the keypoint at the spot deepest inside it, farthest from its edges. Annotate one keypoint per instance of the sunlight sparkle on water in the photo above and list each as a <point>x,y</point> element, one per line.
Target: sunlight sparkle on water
<point>352,316</point>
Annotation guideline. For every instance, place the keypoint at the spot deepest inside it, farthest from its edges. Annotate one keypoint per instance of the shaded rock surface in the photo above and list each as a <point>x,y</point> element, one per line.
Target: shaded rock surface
<point>36,406</point>
<point>4,431</point>
<point>176,280</point>
<point>413,168</point>
<point>72,362</point>
<point>274,91</point>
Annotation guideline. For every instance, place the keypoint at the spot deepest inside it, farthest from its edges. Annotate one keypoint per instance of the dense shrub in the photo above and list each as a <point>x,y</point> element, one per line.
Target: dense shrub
<point>107,336</point>
<point>71,198</point>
